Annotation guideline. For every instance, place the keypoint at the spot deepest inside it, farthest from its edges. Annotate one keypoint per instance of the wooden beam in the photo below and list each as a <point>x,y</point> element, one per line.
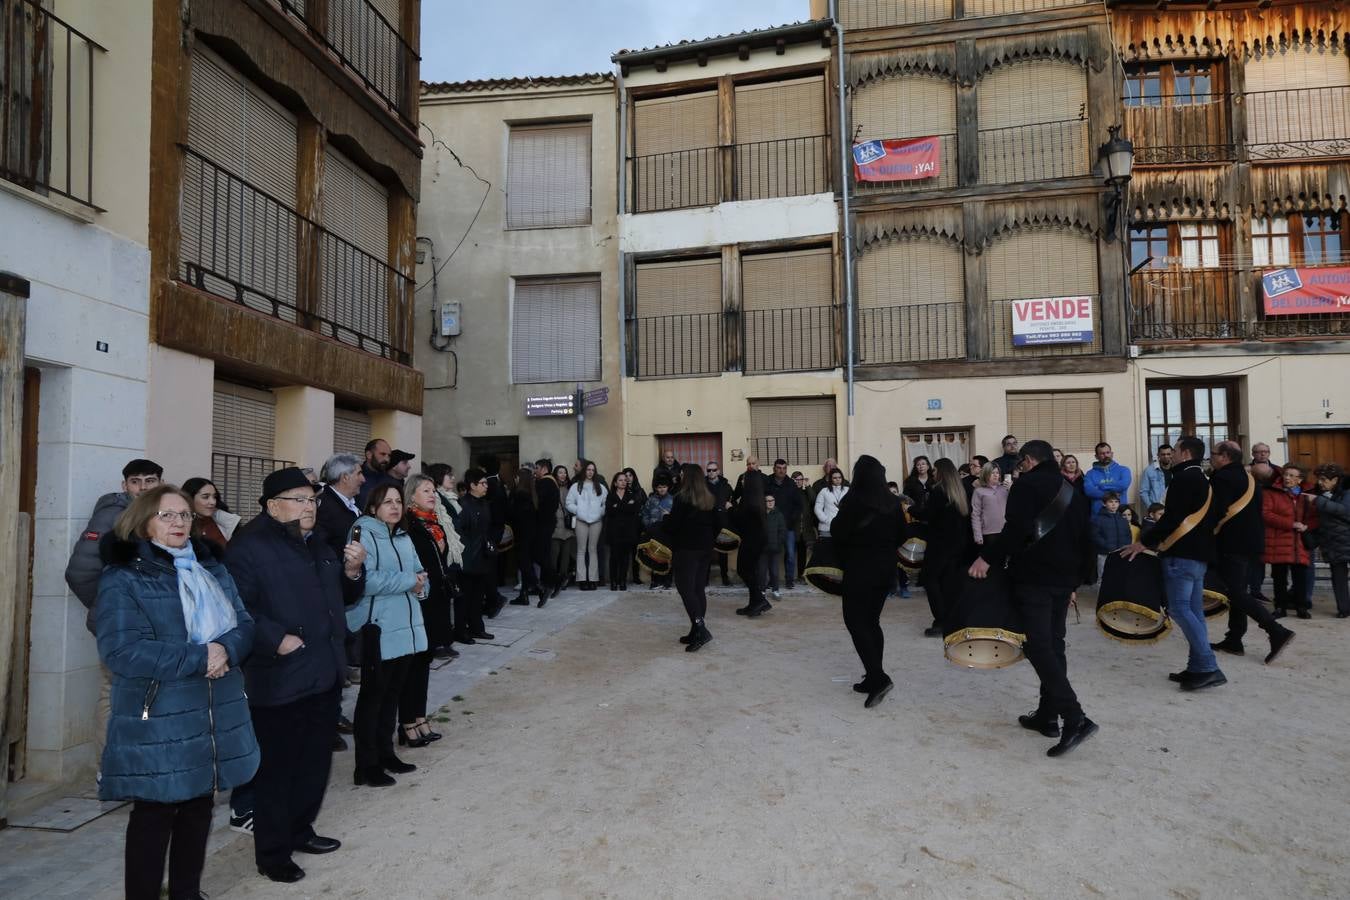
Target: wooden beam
<point>998,368</point>
<point>13,543</point>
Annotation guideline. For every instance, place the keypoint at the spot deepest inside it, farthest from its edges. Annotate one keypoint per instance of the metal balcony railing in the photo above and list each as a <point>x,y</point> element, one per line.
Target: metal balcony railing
<point>241,243</point>
<point>920,332</point>
<point>46,102</point>
<point>790,339</point>
<point>1177,129</point>
<point>680,179</point>
<point>800,451</point>
<point>946,177</point>
<point>679,345</point>
<point>676,180</point>
<point>1299,123</point>
<point>1037,151</point>
<point>788,167</point>
<point>240,480</point>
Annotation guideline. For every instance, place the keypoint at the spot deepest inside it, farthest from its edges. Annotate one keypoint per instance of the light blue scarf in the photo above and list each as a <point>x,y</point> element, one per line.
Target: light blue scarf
<point>207,612</point>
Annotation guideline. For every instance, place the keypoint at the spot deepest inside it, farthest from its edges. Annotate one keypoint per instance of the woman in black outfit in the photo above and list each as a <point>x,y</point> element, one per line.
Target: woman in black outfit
<point>949,544</point>
<point>691,528</point>
<point>919,485</point>
<point>622,527</point>
<point>473,524</point>
<point>867,532</point>
<point>431,543</point>
<point>635,485</point>
<point>747,520</point>
<point>524,520</point>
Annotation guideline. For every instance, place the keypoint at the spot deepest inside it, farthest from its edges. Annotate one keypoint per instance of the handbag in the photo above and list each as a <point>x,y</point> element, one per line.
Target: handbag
<point>363,649</point>
<point>1310,539</point>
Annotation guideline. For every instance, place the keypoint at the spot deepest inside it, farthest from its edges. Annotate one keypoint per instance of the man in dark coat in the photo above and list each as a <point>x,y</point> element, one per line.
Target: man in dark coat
<point>1044,571</point>
<point>1184,539</point>
<point>1008,462</point>
<point>1240,538</point>
<point>788,499</point>
<point>669,466</point>
<point>721,491</point>
<point>549,497</point>
<point>498,502</point>
<point>342,479</point>
<point>375,470</point>
<point>296,589</point>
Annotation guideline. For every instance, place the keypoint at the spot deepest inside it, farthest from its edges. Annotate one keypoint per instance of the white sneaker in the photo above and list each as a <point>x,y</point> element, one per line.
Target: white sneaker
<point>242,824</point>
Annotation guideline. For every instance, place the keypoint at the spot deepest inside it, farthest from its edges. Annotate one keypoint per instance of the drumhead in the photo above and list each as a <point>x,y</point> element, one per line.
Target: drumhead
<point>1132,623</point>
<point>1216,603</point>
<point>983,648</point>
<point>829,579</point>
<point>654,556</point>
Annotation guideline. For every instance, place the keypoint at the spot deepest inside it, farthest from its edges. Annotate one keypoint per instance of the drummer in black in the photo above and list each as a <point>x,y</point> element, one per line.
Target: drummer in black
<point>867,532</point>
<point>692,528</point>
<point>1240,538</point>
<point>1045,545</point>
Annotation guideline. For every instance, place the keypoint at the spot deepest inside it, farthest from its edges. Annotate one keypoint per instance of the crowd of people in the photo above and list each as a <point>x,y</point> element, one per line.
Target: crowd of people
<point>367,573</point>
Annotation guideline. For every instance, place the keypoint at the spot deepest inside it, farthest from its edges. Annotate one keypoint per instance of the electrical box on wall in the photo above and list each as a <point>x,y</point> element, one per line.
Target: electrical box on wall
<point>450,324</point>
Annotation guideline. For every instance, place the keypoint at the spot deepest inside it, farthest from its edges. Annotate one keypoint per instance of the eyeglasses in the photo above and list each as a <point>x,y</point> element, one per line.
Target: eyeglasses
<point>307,501</point>
<point>168,516</point>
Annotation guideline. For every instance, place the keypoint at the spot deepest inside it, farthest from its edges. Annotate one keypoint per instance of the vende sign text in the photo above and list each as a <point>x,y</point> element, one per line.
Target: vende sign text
<point>1056,320</point>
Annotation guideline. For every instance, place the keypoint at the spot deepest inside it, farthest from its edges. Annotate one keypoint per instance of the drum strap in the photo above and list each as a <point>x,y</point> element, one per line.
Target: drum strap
<point>1050,516</point>
<point>1188,523</point>
<point>1238,505</point>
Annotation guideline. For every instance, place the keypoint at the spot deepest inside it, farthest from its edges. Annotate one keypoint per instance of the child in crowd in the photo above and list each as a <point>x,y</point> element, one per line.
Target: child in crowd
<point>1110,529</point>
<point>1128,512</point>
<point>1151,518</point>
<point>657,507</point>
<point>775,539</point>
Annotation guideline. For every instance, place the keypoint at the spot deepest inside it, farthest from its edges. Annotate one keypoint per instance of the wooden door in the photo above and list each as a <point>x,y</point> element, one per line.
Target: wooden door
<point>15,542</point>
<point>1313,446</point>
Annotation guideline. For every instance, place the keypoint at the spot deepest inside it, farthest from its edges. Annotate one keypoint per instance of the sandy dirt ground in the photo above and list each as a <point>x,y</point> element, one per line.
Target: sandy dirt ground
<point>610,763</point>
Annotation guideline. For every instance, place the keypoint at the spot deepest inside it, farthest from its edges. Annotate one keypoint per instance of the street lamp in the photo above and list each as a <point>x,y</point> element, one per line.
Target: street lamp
<point>1117,159</point>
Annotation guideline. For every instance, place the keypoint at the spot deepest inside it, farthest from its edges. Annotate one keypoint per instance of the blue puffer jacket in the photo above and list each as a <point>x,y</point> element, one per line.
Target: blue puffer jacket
<point>174,734</point>
<point>391,572</point>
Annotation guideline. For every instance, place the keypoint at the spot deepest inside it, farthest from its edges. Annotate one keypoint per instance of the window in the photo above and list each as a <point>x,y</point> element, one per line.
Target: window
<point>1270,242</point>
<point>555,330</point>
<point>910,106</point>
<point>1171,84</point>
<point>1069,420</point>
<point>788,307</point>
<point>355,206</point>
<point>1143,86</point>
<point>1033,122</point>
<point>675,157</point>
<point>1321,240</point>
<point>1185,245</point>
<point>1149,243</point>
<point>548,179</point>
<point>1040,263</point>
<point>801,430</point>
<point>678,329</point>
<point>1207,410</point>
<point>699,449</point>
<point>911,301</point>
<point>781,143</point>
<point>1199,245</point>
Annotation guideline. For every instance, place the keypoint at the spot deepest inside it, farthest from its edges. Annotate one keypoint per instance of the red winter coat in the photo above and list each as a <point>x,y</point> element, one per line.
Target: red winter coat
<point>1280,510</point>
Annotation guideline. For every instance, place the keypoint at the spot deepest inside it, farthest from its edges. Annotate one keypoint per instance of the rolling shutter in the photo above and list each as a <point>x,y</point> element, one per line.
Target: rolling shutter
<point>243,438</point>
<point>909,107</point>
<point>1033,122</point>
<point>798,429</point>
<point>675,148</point>
<point>788,310</point>
<point>355,206</point>
<point>548,181</point>
<point>979,8</point>
<point>780,142</point>
<point>244,242</point>
<point>780,109</point>
<point>1069,420</point>
<point>911,301</point>
<point>351,431</point>
<point>1035,264</point>
<point>555,330</point>
<point>679,318</point>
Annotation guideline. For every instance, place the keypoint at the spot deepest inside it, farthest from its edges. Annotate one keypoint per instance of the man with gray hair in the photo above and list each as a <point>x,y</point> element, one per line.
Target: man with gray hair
<point>342,480</point>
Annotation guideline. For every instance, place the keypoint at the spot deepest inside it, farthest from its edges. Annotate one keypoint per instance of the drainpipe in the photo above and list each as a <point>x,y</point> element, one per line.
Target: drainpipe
<point>622,147</point>
<point>845,154</point>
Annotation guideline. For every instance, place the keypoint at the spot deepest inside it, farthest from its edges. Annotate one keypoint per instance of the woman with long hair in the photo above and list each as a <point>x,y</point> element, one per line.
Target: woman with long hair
<point>211,518</point>
<point>748,521</point>
<point>622,526</point>
<point>431,544</point>
<point>867,532</point>
<point>524,516</point>
<point>564,535</point>
<point>1073,474</point>
<point>447,510</point>
<point>692,527</point>
<point>586,502</point>
<point>827,502</point>
<point>918,485</point>
<point>635,485</point>
<point>949,542</point>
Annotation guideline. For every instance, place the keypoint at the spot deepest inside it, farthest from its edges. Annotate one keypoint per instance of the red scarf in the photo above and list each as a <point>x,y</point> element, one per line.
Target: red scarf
<point>428,518</point>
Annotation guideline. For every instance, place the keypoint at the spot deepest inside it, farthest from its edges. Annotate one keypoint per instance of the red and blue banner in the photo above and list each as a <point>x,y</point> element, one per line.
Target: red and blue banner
<point>1291,292</point>
<point>912,159</point>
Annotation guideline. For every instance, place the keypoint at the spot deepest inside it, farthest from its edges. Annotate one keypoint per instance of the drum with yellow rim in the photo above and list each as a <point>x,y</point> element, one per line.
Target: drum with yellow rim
<point>823,570</point>
<point>654,556</point>
<point>727,541</point>
<point>1130,600</point>
<point>988,633</point>
<point>1216,595</point>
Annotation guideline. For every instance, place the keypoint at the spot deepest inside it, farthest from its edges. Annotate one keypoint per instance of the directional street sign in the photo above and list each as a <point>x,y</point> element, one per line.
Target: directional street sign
<point>561,405</point>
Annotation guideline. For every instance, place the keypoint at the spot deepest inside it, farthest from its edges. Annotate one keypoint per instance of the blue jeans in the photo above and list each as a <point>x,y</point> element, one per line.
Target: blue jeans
<point>1184,580</point>
<point>790,557</point>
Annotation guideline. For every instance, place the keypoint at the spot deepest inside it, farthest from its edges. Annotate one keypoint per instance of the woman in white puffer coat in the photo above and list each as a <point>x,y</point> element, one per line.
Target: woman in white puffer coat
<point>586,502</point>
<point>827,502</point>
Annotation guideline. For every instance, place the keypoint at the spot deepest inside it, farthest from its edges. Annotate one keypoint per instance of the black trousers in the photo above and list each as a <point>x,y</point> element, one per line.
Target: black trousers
<point>180,829</point>
<point>296,741</point>
<point>1234,572</point>
<point>620,561</point>
<point>862,617</point>
<point>690,571</point>
<point>1043,611</point>
<point>941,585</point>
<point>747,568</point>
<point>543,558</point>
<point>377,706</point>
<point>412,698</point>
<point>473,593</point>
<point>1287,596</point>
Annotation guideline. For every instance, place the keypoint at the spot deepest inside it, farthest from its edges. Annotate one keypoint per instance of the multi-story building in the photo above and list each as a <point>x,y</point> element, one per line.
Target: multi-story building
<point>518,271</point>
<point>211,204</point>
<point>1240,305</point>
<point>730,240</point>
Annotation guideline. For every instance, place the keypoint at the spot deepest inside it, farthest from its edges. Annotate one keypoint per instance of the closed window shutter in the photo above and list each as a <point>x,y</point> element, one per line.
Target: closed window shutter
<point>798,429</point>
<point>1038,263</point>
<point>910,106</point>
<point>355,206</point>
<point>789,312</point>
<point>555,330</point>
<point>355,273</point>
<point>548,181</point>
<point>246,242</point>
<point>351,431</point>
<point>911,301</point>
<point>1293,97</point>
<point>1068,420</point>
<point>243,438</point>
<point>780,149</point>
<point>979,8</point>
<point>679,318</point>
<point>1033,122</point>
<point>880,13</point>
<point>675,149</point>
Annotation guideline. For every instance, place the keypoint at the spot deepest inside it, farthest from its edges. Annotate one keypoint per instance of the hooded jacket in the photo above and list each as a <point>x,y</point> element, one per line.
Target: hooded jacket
<point>827,507</point>
<point>86,563</point>
<point>1100,478</point>
<point>173,733</point>
<point>392,565</point>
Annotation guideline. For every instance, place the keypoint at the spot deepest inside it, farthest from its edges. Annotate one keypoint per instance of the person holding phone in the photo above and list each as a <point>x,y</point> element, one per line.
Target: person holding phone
<point>395,582</point>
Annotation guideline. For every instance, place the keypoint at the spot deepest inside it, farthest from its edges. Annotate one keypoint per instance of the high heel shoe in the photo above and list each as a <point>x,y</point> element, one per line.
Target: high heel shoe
<point>409,736</point>
<point>424,731</point>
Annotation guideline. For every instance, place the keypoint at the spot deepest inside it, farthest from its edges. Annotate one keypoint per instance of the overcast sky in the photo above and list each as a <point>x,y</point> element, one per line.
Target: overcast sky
<point>469,39</point>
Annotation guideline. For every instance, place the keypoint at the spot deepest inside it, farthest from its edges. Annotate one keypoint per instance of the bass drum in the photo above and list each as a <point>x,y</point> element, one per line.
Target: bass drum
<point>989,633</point>
<point>654,554</point>
<point>1216,594</point>
<point>727,541</point>
<point>913,550</point>
<point>1130,600</point>
<point>823,570</point>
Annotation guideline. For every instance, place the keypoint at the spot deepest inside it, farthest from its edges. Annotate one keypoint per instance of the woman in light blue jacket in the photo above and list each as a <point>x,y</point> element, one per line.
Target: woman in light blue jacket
<point>395,579</point>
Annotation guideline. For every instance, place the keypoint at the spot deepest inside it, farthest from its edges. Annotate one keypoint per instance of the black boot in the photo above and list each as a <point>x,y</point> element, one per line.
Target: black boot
<point>698,637</point>
<point>521,599</point>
